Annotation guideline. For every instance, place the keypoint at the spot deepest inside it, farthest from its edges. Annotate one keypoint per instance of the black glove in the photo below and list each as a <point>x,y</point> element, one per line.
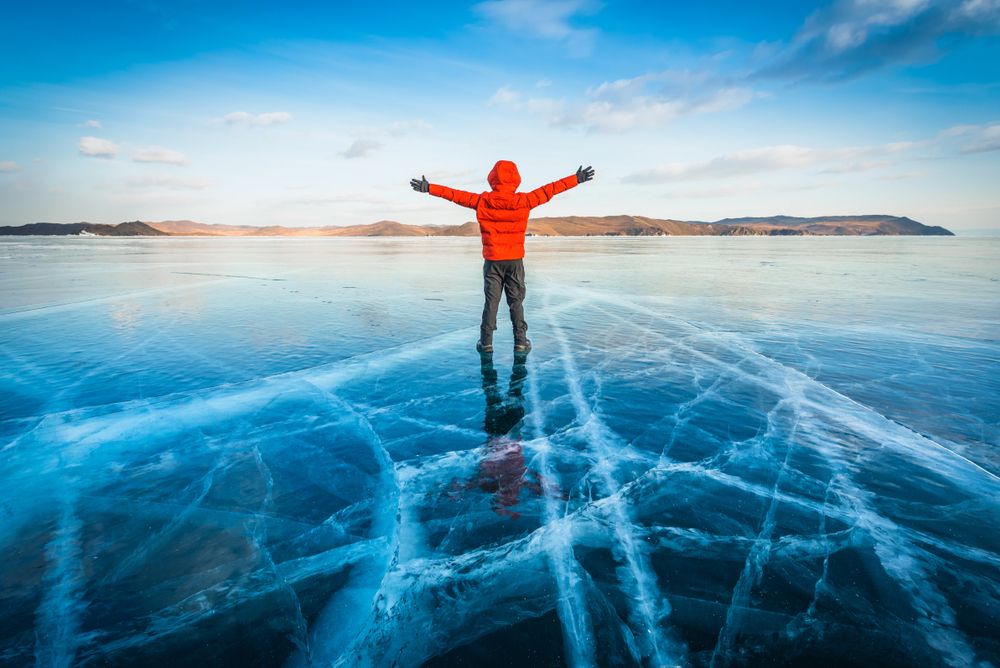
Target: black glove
<point>584,175</point>
<point>421,186</point>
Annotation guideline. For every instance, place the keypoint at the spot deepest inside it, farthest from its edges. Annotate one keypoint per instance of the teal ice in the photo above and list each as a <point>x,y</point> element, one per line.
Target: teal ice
<point>722,451</point>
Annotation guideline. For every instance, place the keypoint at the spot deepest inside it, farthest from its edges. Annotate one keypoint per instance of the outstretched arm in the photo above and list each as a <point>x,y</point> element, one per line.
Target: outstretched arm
<point>542,195</point>
<point>459,197</point>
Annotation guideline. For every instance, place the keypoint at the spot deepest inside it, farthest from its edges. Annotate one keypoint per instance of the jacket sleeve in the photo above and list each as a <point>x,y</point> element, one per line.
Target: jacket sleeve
<point>542,195</point>
<point>459,197</point>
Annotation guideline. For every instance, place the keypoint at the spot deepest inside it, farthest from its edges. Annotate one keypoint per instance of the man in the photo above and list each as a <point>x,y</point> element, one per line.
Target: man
<point>503,219</point>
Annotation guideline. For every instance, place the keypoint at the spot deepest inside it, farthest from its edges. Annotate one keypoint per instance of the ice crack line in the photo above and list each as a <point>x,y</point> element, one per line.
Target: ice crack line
<point>572,603</point>
<point>901,560</point>
<point>343,626</point>
<point>867,421</point>
<point>58,618</point>
<point>649,608</point>
<point>46,309</point>
<point>760,551</point>
<point>257,529</point>
<point>133,561</point>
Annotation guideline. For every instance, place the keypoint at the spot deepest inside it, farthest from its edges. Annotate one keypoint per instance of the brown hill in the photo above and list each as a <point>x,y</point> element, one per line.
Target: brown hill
<point>839,225</point>
<point>133,229</point>
<point>189,228</point>
<point>617,226</point>
<point>383,228</point>
<point>631,226</point>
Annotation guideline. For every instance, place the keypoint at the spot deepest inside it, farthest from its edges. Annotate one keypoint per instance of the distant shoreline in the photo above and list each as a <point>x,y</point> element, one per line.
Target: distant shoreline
<point>567,237</point>
<point>567,226</point>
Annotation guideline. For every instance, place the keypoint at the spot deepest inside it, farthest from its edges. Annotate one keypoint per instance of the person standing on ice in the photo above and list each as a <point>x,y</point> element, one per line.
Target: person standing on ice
<point>503,219</point>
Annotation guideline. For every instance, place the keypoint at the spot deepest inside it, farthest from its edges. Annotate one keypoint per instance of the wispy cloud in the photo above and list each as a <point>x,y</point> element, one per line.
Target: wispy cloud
<point>167,182</point>
<point>645,101</point>
<point>544,19</point>
<point>400,128</point>
<point>359,148</point>
<point>159,154</point>
<point>950,143</point>
<point>653,100</point>
<point>743,189</point>
<point>843,40</point>
<point>358,197</point>
<point>95,147</point>
<point>461,176</point>
<point>852,37</point>
<point>374,138</point>
<point>9,166</point>
<point>855,166</point>
<point>976,138</point>
<point>505,95</point>
<point>770,159</point>
<point>93,124</point>
<point>508,97</point>
<point>255,120</point>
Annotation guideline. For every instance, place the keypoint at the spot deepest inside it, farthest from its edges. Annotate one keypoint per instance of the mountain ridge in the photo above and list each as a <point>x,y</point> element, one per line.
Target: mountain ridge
<point>134,228</point>
<point>621,225</point>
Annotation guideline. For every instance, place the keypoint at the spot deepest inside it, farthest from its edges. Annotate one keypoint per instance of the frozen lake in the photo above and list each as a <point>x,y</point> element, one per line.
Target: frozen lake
<point>722,451</point>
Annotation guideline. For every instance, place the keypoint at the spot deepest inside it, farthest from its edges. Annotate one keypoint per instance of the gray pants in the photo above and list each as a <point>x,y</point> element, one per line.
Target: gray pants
<point>503,276</point>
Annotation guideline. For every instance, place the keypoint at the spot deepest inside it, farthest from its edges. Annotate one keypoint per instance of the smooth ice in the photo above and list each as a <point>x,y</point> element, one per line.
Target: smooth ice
<point>286,452</point>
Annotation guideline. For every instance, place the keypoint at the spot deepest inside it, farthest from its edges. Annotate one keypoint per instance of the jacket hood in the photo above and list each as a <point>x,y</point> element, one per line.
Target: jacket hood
<point>504,177</point>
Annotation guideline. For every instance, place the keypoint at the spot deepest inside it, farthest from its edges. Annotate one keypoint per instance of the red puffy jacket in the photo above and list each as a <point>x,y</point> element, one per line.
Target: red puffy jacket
<point>503,213</point>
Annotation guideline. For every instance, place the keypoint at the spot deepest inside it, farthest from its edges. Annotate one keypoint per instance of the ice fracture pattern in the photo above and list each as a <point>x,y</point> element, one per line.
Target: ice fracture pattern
<point>721,452</point>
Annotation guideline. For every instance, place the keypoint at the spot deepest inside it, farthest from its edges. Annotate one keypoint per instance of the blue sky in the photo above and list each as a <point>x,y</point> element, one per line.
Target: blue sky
<point>320,113</point>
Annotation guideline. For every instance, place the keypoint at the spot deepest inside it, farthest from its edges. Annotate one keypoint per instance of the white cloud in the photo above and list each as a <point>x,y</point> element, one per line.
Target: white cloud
<point>976,138</point>
<point>548,107</point>
<point>856,166</point>
<point>9,166</point>
<point>545,19</point>
<point>399,128</point>
<point>452,174</point>
<point>371,139</point>
<point>160,154</point>
<point>358,197</point>
<point>644,111</point>
<point>657,99</point>
<point>851,37</point>
<point>255,120</point>
<point>645,101</point>
<point>770,159</point>
<point>167,182</point>
<point>93,124</point>
<point>359,148</point>
<point>236,117</point>
<point>95,147</point>
<point>845,39</point>
<point>947,144</point>
<point>743,189</point>
<point>504,95</point>
<point>272,118</point>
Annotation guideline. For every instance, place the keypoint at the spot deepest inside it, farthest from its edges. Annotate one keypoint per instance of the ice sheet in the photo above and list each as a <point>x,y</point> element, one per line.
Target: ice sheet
<point>287,452</point>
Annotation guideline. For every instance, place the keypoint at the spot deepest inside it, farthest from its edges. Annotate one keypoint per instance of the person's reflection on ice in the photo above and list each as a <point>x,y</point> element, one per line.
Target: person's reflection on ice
<point>502,470</point>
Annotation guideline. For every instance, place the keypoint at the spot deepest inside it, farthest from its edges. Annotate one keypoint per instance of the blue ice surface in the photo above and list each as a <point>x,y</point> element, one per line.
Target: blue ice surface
<point>722,451</point>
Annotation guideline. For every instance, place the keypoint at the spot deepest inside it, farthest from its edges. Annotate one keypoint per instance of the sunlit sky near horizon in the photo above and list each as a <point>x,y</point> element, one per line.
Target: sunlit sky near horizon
<point>319,114</point>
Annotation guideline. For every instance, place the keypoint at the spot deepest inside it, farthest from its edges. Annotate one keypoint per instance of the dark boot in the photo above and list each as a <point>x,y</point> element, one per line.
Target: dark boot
<point>522,347</point>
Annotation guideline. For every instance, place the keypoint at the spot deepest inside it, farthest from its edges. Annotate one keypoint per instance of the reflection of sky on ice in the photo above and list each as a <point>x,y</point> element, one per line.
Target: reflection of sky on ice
<point>721,451</point>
